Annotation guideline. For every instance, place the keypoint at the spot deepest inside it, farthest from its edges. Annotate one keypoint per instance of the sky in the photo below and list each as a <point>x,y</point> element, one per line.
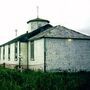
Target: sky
<point>14,14</point>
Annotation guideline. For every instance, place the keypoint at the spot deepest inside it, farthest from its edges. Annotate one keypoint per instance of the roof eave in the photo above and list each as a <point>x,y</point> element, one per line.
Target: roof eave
<point>59,38</point>
<point>38,19</point>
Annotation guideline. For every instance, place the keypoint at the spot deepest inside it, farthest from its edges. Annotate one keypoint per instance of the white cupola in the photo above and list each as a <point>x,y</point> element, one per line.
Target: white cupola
<point>36,23</point>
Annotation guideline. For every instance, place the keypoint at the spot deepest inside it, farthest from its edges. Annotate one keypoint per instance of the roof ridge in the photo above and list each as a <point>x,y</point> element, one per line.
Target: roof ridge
<point>72,30</point>
<point>42,34</point>
<point>60,32</point>
<point>26,35</point>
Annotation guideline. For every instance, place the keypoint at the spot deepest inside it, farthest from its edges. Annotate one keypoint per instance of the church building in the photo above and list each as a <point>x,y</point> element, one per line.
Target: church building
<point>47,48</point>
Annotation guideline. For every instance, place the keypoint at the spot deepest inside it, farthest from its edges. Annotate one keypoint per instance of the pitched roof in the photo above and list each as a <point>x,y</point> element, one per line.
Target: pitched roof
<point>38,19</point>
<point>60,32</point>
<point>26,36</point>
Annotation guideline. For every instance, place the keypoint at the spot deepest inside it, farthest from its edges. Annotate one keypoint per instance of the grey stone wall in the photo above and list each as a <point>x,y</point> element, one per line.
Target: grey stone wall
<point>67,54</point>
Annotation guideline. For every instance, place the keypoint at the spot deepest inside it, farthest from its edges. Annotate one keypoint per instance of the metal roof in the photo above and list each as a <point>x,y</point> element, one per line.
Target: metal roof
<point>38,19</point>
<point>60,32</point>
<point>26,36</point>
<point>50,32</point>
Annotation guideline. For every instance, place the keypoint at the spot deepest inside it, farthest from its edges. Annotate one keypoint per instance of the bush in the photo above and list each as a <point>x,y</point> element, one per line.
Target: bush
<point>31,80</point>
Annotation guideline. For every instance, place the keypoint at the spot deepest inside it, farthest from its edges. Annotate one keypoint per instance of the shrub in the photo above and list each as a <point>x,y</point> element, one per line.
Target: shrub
<point>32,80</point>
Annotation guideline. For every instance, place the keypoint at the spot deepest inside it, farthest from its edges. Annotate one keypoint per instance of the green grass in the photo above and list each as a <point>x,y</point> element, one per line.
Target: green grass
<point>31,80</point>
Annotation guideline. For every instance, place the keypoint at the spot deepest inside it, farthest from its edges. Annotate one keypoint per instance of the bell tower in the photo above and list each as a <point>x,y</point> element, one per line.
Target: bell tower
<point>36,23</point>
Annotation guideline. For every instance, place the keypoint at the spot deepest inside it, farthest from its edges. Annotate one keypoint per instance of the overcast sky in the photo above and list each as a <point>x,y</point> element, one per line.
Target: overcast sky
<point>73,14</point>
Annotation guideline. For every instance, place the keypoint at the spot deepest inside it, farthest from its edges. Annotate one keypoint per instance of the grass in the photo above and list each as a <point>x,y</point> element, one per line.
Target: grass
<point>31,80</point>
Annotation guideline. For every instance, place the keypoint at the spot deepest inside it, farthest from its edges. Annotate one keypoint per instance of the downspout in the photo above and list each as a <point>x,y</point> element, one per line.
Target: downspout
<point>44,54</point>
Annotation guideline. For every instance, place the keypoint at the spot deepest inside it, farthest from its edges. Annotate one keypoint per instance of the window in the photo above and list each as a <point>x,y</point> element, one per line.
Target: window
<point>8,52</point>
<point>32,50</point>
<point>16,51</point>
<point>0,53</point>
<point>3,52</point>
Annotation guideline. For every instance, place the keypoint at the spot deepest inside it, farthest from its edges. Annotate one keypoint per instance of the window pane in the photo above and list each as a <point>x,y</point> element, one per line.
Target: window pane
<point>3,52</point>
<point>0,53</point>
<point>8,52</point>
<point>32,50</point>
<point>15,51</point>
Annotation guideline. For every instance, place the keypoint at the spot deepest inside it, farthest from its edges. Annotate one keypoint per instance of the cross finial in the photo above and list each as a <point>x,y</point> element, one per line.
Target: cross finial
<point>16,32</point>
<point>37,12</point>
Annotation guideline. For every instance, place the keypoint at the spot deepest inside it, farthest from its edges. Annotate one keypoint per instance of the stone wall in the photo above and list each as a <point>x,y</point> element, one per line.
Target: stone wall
<point>67,54</point>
